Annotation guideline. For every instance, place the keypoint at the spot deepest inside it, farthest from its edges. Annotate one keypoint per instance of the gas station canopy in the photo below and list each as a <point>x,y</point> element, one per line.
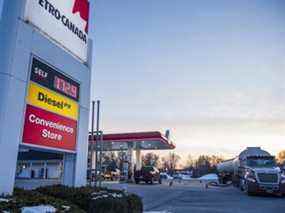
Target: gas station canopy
<point>136,140</point>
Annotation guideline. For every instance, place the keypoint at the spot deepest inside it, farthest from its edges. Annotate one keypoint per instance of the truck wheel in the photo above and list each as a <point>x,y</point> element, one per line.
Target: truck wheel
<point>241,185</point>
<point>245,188</point>
<point>137,181</point>
<point>236,181</point>
<point>159,181</point>
<point>249,193</point>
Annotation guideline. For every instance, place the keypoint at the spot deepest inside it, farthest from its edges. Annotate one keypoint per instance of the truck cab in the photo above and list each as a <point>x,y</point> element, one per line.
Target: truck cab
<point>261,174</point>
<point>254,171</point>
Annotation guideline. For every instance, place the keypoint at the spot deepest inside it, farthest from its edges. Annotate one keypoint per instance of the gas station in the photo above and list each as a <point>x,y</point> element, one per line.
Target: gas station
<point>45,82</point>
<point>131,143</point>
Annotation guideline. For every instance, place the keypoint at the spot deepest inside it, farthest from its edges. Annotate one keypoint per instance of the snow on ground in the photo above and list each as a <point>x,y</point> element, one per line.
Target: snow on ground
<point>186,177</point>
<point>158,212</point>
<point>4,200</point>
<point>209,177</point>
<point>39,209</point>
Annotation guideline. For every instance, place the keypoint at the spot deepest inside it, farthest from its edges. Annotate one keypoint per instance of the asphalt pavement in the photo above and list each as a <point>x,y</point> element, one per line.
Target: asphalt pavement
<point>195,198</point>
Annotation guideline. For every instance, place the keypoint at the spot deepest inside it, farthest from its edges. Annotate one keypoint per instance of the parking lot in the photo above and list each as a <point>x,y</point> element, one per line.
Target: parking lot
<point>195,198</point>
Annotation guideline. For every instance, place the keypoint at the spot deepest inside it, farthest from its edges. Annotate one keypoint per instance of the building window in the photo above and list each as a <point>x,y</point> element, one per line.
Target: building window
<point>23,170</point>
<point>37,169</point>
<point>54,170</point>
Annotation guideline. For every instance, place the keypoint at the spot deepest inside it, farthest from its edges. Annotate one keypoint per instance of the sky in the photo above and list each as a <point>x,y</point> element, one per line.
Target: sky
<point>213,72</point>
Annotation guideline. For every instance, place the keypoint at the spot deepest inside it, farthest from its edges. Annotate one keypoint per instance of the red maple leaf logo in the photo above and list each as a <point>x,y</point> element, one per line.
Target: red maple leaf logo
<point>82,6</point>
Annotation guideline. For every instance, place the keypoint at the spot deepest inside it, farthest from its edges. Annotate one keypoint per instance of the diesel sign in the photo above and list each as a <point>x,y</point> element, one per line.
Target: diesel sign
<point>52,101</point>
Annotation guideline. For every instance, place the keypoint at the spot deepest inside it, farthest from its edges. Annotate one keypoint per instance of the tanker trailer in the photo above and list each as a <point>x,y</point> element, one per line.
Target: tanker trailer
<point>254,171</point>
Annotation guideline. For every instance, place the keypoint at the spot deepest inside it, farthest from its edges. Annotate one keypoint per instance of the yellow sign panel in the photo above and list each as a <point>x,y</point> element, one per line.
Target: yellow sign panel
<point>52,101</point>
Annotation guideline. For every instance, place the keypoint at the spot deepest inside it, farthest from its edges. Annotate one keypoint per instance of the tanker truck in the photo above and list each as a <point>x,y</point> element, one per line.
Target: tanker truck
<point>254,171</point>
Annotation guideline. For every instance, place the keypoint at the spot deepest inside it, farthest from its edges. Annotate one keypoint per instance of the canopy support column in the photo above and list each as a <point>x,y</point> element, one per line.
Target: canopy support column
<point>138,159</point>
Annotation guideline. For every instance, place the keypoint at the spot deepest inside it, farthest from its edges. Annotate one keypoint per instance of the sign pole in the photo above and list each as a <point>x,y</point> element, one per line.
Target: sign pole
<point>100,158</point>
<point>97,139</point>
<point>92,142</point>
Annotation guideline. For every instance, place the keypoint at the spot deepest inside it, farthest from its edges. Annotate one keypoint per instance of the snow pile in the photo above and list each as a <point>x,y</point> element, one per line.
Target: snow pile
<point>158,212</point>
<point>186,177</point>
<point>209,177</point>
<point>4,200</point>
<point>105,194</point>
<point>39,209</point>
<point>66,208</point>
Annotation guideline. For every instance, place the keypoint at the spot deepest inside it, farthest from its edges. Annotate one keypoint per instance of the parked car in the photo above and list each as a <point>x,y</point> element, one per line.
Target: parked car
<point>182,176</point>
<point>112,174</point>
<point>210,179</point>
<point>92,175</point>
<point>177,176</point>
<point>165,176</point>
<point>148,174</point>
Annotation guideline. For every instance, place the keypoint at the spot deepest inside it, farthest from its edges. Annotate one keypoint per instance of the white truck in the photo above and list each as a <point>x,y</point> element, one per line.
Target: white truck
<point>254,171</point>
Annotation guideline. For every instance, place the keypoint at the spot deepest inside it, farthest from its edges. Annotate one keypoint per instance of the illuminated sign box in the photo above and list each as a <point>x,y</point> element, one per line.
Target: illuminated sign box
<point>52,109</point>
<point>63,21</point>
<point>46,129</point>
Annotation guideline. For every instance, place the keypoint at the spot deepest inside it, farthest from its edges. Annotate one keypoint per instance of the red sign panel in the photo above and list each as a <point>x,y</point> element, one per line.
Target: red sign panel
<point>43,128</point>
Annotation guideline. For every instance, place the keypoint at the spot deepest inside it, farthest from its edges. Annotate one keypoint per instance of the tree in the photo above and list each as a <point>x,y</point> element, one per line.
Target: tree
<point>214,160</point>
<point>107,157</point>
<point>110,160</point>
<point>150,159</point>
<point>190,163</point>
<point>281,157</point>
<point>170,162</point>
<point>204,164</point>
